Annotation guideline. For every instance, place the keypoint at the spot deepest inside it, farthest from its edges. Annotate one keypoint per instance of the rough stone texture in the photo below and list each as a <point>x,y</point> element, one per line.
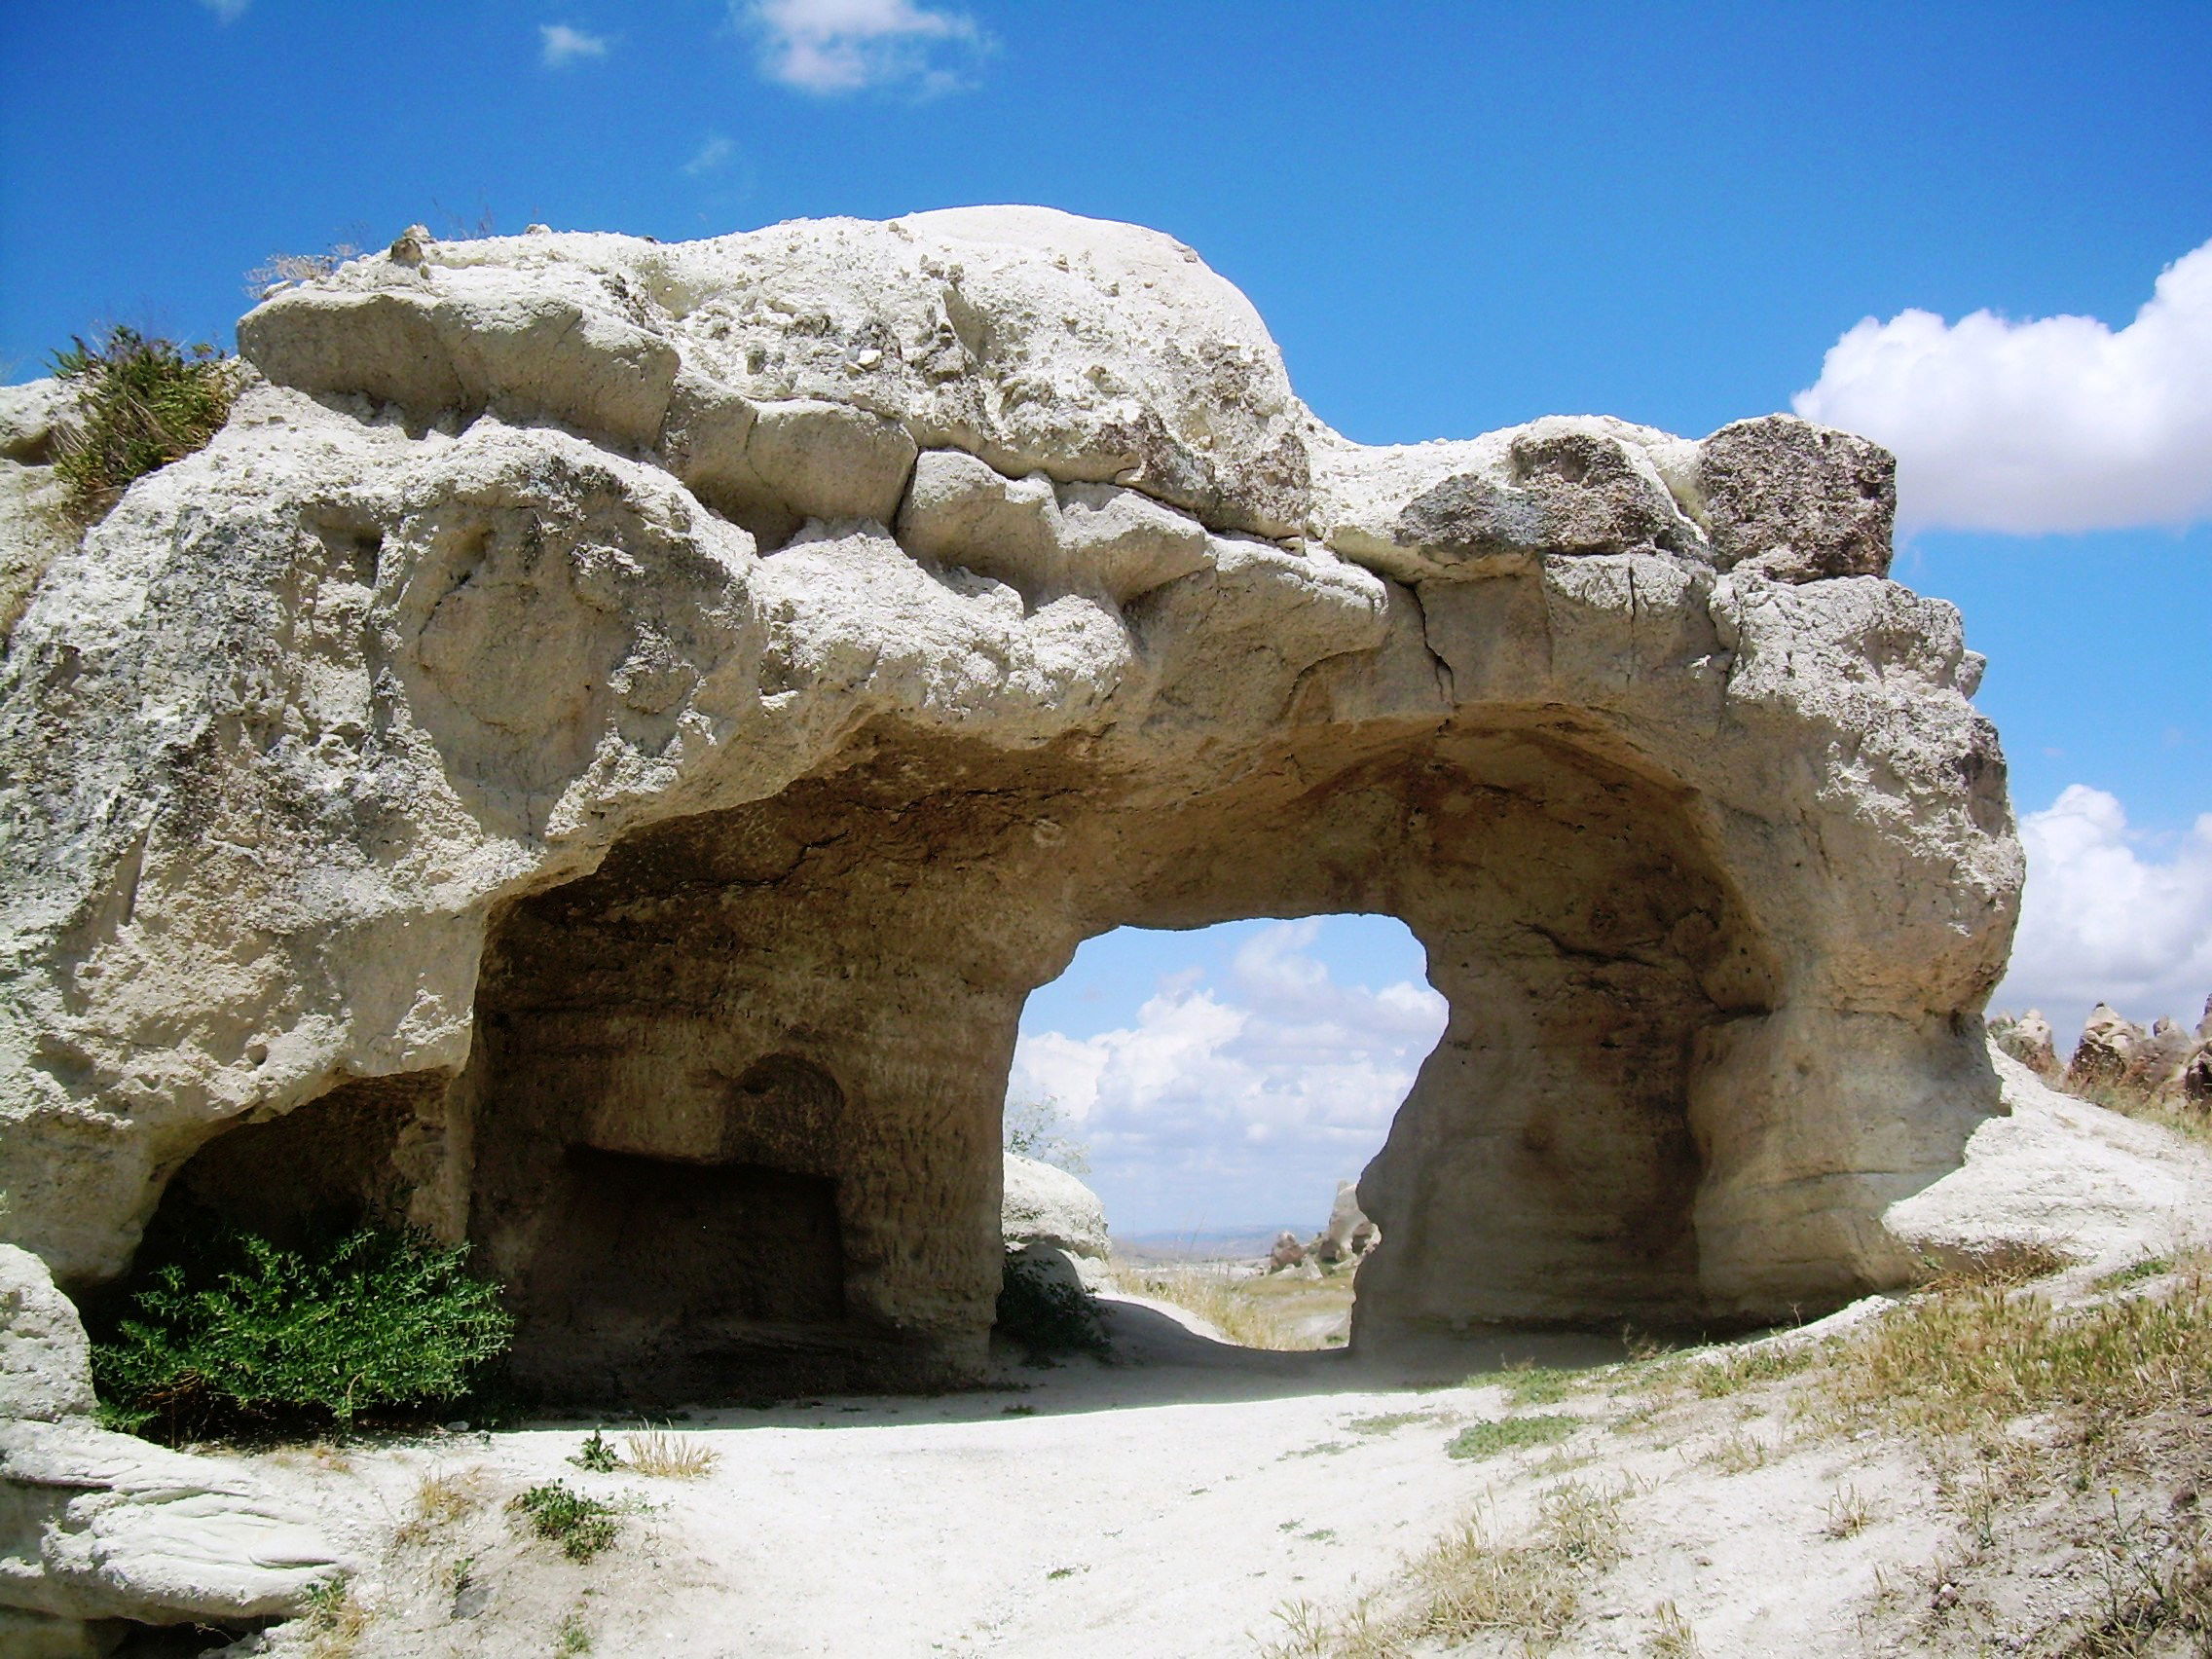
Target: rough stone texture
<point>2107,1050</point>
<point>2058,1171</point>
<point>98,1526</point>
<point>1048,1215</point>
<point>1797,501</point>
<point>101,1526</point>
<point>1349,1234</point>
<point>32,525</point>
<point>523,778</point>
<point>46,1362</point>
<point>2028,1039</point>
<point>1043,1204</point>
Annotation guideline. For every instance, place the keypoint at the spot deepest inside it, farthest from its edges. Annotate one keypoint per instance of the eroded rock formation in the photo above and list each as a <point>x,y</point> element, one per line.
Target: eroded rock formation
<point>594,756</point>
<point>1050,1217</point>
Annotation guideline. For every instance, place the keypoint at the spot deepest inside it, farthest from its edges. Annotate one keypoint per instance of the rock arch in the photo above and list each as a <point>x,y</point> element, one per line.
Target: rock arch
<point>732,693</point>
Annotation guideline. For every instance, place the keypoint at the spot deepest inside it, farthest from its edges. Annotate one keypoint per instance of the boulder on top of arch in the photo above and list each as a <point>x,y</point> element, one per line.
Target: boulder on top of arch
<point>734,713</point>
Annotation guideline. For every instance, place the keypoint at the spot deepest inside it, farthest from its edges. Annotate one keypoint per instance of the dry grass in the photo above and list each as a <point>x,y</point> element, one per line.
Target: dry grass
<point>1977,1359</point>
<point>2005,1267</point>
<point>335,1620</point>
<point>1737,1455</point>
<point>441,1499</point>
<point>1849,1514</point>
<point>2132,1101</point>
<point>1232,1306</point>
<point>1672,1637</point>
<point>1471,1585</point>
<point>668,1456</point>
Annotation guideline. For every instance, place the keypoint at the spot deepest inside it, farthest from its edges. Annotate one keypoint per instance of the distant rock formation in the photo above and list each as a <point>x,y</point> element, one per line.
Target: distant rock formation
<point>2168,1060</point>
<point>2029,1039</point>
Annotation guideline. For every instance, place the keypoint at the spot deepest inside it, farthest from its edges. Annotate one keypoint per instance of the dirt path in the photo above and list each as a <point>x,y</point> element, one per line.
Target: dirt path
<point>1174,1502</point>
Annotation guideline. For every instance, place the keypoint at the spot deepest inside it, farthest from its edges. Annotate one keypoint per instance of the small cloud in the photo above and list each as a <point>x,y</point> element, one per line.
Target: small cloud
<point>2057,424</point>
<point>844,45</point>
<point>227,10</point>
<point>562,45</point>
<point>714,154</point>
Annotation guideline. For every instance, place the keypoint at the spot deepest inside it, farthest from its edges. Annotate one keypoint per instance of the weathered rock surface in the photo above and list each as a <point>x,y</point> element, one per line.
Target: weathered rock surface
<point>1046,1209</point>
<point>2107,1050</point>
<point>2061,1172</point>
<point>1349,1234</point>
<point>46,1362</point>
<point>101,1526</point>
<point>593,757</point>
<point>2028,1039</point>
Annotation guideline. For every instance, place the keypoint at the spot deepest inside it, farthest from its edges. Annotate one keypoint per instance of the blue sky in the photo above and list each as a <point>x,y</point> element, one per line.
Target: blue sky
<point>1454,216</point>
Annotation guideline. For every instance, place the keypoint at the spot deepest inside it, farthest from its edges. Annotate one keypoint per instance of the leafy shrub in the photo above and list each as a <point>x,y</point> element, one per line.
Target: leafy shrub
<point>1046,1314</point>
<point>581,1525</point>
<point>226,1331</point>
<point>140,404</point>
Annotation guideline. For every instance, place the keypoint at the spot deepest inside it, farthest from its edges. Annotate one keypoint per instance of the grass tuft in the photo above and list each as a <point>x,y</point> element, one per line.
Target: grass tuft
<point>1672,1636</point>
<point>1977,1359</point>
<point>668,1456</point>
<point>335,1620</point>
<point>140,404</point>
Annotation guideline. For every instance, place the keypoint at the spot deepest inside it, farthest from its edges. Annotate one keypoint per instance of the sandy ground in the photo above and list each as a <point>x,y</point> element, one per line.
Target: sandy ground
<point>1174,1502</point>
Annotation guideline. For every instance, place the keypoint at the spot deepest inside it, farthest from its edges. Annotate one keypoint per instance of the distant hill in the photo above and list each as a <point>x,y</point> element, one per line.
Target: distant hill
<point>1203,1244</point>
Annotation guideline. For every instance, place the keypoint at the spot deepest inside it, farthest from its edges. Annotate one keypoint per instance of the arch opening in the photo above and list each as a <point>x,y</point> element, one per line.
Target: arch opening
<point>1221,1085</point>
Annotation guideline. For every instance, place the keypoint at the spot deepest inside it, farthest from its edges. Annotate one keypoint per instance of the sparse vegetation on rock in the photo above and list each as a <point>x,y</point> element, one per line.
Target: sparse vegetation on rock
<point>140,403</point>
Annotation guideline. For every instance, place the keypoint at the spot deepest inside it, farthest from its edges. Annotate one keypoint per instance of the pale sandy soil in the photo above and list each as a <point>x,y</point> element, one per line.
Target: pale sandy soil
<point>1175,1502</point>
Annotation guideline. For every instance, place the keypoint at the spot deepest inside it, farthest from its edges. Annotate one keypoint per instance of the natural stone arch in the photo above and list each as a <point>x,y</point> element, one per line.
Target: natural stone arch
<point>466,704</point>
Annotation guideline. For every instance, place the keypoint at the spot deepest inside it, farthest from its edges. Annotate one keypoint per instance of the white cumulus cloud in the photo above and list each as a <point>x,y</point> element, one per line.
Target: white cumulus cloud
<point>842,46</point>
<point>227,10</point>
<point>1245,1102</point>
<point>2052,424</point>
<point>2109,916</point>
<point>560,44</point>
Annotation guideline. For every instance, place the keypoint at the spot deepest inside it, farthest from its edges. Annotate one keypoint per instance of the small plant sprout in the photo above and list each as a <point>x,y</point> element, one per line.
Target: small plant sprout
<point>597,1454</point>
<point>1849,1514</point>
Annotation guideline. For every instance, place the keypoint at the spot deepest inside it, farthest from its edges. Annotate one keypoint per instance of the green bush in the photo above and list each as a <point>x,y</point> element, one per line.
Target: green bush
<point>140,404</point>
<point>1045,1313</point>
<point>224,1331</point>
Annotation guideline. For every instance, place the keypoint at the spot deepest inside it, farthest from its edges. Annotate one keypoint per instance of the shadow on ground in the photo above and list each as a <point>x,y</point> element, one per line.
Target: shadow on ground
<point>1158,1359</point>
